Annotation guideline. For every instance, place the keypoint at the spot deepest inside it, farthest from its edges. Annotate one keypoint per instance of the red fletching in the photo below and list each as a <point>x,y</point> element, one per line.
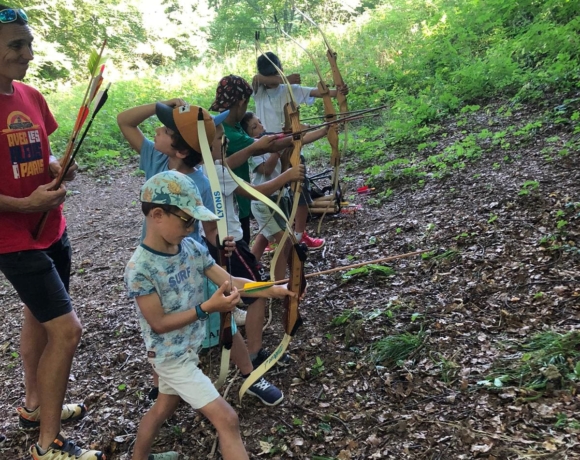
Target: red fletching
<point>81,118</point>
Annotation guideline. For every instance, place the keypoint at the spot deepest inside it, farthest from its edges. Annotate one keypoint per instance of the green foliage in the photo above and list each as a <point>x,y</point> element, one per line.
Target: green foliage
<point>563,422</point>
<point>528,186</point>
<point>427,60</point>
<point>547,357</point>
<point>346,316</point>
<point>394,349</point>
<point>370,268</point>
<point>317,367</point>
<point>448,367</point>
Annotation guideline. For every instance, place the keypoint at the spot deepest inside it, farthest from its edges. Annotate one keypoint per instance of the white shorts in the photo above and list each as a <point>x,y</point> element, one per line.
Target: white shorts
<point>269,222</point>
<point>183,378</point>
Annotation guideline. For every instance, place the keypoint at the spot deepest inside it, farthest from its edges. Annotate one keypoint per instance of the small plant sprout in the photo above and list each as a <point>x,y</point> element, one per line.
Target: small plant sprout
<point>528,186</point>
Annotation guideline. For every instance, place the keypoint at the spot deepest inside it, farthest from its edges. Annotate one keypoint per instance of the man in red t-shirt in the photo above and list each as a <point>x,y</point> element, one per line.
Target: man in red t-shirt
<point>37,269</point>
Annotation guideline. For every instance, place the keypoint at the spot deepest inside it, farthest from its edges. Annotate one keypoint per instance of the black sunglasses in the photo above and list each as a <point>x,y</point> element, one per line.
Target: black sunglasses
<point>10,15</point>
<point>187,221</point>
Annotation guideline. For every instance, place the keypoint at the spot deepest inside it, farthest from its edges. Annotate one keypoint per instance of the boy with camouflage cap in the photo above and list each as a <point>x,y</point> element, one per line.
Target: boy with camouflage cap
<point>166,277</point>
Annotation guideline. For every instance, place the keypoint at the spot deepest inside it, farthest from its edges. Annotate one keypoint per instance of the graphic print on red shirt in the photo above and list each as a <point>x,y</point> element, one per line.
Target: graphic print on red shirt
<point>25,147</point>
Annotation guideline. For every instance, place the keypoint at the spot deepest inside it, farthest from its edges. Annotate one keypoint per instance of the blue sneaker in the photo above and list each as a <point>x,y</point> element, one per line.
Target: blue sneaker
<point>266,392</point>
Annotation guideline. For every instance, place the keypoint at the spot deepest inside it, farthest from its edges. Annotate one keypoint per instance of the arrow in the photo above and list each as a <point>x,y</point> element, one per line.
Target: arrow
<point>248,287</point>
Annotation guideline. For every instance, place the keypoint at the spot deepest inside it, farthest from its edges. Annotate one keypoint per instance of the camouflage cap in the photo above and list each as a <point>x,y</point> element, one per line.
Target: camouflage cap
<point>175,188</point>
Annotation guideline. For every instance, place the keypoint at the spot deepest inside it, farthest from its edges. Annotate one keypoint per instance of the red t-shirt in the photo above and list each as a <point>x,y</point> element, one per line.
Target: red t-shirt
<point>25,124</point>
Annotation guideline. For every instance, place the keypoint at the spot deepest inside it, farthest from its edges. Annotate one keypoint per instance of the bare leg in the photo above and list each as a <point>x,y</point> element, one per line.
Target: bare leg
<point>254,325</point>
<point>300,219</point>
<point>259,246</point>
<point>151,423</point>
<point>226,422</point>
<point>33,340</point>
<point>51,375</point>
<point>282,262</point>
<point>240,356</point>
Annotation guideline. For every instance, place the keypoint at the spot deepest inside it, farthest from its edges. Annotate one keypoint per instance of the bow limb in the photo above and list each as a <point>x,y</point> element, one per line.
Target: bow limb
<point>297,282</point>
<point>292,319</point>
<point>296,187</point>
<point>226,337</point>
<point>329,115</point>
<point>343,107</point>
<point>293,117</point>
<point>256,194</point>
<point>338,81</point>
<point>291,316</point>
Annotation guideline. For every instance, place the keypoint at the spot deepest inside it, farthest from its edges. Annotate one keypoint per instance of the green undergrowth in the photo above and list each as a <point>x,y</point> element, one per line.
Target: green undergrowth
<point>546,360</point>
<point>435,64</point>
<point>392,350</point>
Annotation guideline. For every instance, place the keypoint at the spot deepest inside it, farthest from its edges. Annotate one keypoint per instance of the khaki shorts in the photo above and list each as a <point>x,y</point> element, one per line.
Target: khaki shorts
<point>269,221</point>
<point>183,378</point>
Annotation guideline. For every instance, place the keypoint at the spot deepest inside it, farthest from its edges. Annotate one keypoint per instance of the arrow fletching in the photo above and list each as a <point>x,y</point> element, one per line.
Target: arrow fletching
<point>81,118</point>
<point>96,59</point>
<point>257,286</point>
<point>101,98</point>
<point>93,62</point>
<point>95,87</point>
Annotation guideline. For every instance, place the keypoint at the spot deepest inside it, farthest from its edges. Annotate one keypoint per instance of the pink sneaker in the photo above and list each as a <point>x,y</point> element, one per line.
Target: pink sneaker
<point>312,243</point>
<point>270,248</point>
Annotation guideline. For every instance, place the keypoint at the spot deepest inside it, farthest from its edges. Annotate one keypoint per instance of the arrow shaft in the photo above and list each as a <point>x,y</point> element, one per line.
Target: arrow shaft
<point>346,267</point>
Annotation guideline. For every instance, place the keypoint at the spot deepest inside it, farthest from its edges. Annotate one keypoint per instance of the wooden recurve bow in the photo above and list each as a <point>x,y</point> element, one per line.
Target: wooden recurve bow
<point>297,282</point>
<point>331,55</point>
<point>332,136</point>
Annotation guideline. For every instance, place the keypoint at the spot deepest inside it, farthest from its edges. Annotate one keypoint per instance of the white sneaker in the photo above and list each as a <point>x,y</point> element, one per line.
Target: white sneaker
<point>240,316</point>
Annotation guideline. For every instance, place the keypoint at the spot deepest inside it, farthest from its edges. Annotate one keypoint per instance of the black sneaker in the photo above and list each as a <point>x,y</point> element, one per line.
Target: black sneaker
<point>153,393</point>
<point>263,354</point>
<point>266,392</point>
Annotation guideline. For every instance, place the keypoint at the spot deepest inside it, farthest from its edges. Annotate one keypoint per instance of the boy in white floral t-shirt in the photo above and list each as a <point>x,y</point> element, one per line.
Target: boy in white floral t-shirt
<point>166,276</point>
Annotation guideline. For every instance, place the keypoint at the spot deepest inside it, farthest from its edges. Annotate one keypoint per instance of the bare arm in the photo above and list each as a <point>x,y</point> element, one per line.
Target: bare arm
<point>332,93</point>
<point>269,165</point>
<point>313,136</point>
<point>294,174</point>
<point>161,322</point>
<point>130,119</point>
<point>219,276</point>
<point>41,200</point>
<point>258,79</point>
<point>211,233</point>
<point>261,146</point>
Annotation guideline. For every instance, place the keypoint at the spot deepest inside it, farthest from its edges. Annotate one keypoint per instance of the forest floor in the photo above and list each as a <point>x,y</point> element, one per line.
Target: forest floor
<point>470,381</point>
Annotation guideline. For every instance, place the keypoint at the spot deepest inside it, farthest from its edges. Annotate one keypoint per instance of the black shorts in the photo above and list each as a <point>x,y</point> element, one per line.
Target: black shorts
<point>41,278</point>
<point>243,264</point>
<point>245,223</point>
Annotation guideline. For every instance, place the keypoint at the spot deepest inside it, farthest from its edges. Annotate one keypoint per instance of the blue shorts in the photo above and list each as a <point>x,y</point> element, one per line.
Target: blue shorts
<point>41,278</point>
